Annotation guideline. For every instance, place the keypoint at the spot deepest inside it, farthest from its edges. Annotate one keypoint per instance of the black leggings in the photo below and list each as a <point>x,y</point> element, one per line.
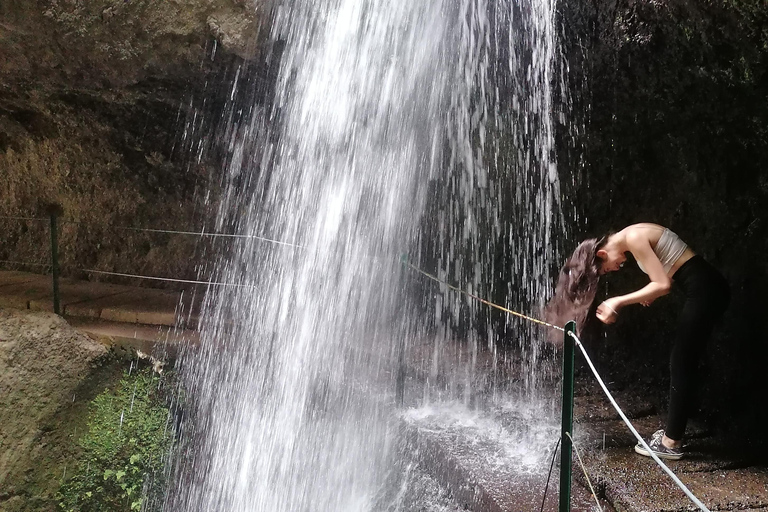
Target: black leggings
<point>706,298</point>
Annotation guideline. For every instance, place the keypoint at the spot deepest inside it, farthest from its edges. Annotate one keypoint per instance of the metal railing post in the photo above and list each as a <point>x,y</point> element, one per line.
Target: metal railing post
<point>567,423</point>
<point>54,212</point>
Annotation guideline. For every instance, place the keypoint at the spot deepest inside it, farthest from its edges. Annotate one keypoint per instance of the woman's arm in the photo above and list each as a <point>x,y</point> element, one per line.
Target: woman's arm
<point>660,284</point>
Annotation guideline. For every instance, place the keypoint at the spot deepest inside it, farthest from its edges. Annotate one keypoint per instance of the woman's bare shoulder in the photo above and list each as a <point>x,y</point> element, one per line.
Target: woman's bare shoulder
<point>645,231</point>
<point>646,225</point>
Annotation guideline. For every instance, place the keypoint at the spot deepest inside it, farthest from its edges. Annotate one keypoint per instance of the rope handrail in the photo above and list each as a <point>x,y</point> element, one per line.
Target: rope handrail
<point>478,298</point>
<point>549,475</point>
<point>136,276</point>
<point>658,461</point>
<point>210,234</point>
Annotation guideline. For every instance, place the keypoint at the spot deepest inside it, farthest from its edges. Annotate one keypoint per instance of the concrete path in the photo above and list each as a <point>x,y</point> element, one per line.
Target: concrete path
<point>137,317</point>
<point>721,478</point>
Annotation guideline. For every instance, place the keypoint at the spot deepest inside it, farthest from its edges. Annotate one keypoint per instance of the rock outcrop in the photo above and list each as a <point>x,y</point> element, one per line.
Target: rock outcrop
<point>45,371</point>
<point>670,120</point>
<point>113,44</point>
<point>99,103</point>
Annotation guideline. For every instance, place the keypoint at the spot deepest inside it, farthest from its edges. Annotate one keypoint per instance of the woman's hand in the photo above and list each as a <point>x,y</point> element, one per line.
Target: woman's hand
<point>608,310</point>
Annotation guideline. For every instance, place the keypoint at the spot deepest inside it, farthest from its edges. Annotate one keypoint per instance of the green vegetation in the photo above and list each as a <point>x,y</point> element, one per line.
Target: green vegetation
<point>121,462</point>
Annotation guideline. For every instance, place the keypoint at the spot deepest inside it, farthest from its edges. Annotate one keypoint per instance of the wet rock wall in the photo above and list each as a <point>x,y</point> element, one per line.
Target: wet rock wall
<point>669,126</point>
<point>109,110</point>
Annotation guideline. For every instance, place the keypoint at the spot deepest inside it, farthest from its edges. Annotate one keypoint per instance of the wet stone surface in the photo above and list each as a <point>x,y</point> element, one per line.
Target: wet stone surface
<point>486,462</point>
<point>474,456</point>
<point>721,480</point>
<point>415,490</point>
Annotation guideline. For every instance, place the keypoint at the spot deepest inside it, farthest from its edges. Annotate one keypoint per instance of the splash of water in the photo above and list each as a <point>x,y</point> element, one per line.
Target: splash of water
<point>390,130</point>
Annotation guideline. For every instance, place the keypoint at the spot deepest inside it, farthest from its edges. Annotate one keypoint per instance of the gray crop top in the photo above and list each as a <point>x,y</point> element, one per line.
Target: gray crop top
<point>669,249</point>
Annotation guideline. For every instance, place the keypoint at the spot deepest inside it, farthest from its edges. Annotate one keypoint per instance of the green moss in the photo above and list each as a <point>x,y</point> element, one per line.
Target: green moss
<point>121,462</point>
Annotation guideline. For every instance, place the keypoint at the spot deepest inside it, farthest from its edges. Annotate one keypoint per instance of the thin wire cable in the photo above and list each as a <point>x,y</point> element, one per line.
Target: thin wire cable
<point>669,472</point>
<point>198,233</point>
<point>486,302</point>
<point>169,231</point>
<point>15,217</point>
<point>25,263</point>
<point>584,470</point>
<point>552,465</point>
<point>211,283</point>
<point>215,235</point>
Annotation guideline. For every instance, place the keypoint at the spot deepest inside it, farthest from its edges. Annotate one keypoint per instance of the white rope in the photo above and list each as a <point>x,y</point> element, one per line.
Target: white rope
<point>168,279</point>
<point>672,475</point>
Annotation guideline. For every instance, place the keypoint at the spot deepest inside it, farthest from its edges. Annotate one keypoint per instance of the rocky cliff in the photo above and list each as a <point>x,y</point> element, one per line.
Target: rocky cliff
<point>98,105</point>
<point>670,123</point>
<point>47,374</point>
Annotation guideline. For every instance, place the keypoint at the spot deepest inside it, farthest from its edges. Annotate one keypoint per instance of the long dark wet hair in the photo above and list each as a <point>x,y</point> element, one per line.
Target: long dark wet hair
<point>576,285</point>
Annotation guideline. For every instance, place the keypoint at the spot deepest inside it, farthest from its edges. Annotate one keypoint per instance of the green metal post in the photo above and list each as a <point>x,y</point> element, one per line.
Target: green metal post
<point>567,425</point>
<point>55,263</point>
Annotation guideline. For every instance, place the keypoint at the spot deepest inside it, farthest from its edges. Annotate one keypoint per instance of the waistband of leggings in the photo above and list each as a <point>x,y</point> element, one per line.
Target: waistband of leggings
<point>696,265</point>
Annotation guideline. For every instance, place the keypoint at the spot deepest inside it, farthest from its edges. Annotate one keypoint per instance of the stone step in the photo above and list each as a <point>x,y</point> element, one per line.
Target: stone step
<point>148,339</point>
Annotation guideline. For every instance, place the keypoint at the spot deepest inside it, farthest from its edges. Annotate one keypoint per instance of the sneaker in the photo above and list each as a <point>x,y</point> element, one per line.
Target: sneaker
<point>658,448</point>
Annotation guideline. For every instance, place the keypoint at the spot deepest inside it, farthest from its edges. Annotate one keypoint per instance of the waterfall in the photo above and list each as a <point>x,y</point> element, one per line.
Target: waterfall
<point>419,127</point>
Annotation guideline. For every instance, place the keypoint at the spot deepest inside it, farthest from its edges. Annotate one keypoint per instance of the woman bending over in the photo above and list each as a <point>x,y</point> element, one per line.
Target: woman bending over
<point>667,261</point>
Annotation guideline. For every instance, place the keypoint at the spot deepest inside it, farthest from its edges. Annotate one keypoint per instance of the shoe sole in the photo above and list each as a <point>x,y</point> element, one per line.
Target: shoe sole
<point>645,453</point>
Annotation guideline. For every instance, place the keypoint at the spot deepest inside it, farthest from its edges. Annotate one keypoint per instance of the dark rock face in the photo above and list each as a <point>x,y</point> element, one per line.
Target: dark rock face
<point>670,99</point>
<point>95,102</point>
<point>117,43</point>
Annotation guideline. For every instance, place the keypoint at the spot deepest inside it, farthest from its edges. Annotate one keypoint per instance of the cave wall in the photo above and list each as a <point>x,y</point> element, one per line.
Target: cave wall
<point>109,108</point>
<point>670,125</point>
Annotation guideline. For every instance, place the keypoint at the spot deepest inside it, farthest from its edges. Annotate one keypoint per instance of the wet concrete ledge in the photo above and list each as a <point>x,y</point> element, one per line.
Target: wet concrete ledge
<point>143,319</point>
<point>24,290</point>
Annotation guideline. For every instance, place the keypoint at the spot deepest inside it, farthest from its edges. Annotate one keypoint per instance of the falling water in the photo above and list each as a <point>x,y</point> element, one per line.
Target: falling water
<point>396,127</point>
<point>498,210</point>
